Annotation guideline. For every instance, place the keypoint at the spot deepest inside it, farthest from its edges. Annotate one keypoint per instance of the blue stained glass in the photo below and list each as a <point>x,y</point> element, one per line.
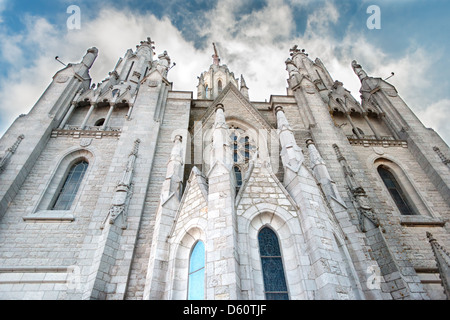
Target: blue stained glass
<point>268,243</point>
<point>396,191</point>
<point>275,285</point>
<point>196,287</point>
<point>238,175</point>
<point>70,188</point>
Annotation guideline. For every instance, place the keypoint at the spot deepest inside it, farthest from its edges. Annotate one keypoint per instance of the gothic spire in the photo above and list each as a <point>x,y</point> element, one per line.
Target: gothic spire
<point>291,154</point>
<point>244,88</point>
<point>216,58</point>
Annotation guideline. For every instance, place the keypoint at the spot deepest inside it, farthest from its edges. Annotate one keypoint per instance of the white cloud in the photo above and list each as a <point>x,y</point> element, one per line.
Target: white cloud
<point>254,44</point>
<point>434,116</point>
<point>2,8</point>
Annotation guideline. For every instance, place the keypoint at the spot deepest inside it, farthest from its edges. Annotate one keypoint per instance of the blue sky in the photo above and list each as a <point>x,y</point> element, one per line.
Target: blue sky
<point>253,38</point>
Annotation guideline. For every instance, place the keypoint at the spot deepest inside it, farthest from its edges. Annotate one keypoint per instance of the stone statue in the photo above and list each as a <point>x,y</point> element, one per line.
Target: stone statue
<point>359,71</point>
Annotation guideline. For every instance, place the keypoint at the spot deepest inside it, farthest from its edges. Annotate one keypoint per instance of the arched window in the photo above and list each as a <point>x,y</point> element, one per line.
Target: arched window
<point>206,91</point>
<point>196,281</point>
<point>100,122</point>
<point>247,149</point>
<point>396,191</point>
<point>70,187</point>
<point>243,146</point>
<point>219,86</point>
<point>359,131</point>
<point>238,174</point>
<point>275,287</point>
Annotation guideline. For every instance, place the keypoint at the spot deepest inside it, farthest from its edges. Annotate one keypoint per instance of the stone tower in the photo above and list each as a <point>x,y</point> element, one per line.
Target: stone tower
<point>131,190</point>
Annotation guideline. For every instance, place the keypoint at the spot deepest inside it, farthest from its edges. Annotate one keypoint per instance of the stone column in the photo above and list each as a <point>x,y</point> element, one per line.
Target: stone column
<point>390,126</point>
<point>108,117</point>
<point>355,129</point>
<point>68,115</point>
<point>375,132</point>
<point>86,119</point>
<point>72,108</point>
<point>130,110</point>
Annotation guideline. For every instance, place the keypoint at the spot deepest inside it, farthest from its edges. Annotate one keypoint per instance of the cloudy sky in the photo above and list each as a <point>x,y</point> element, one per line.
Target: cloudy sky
<point>253,38</point>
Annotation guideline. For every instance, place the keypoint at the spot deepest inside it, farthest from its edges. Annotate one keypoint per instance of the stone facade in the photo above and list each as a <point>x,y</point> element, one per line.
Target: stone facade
<point>166,170</point>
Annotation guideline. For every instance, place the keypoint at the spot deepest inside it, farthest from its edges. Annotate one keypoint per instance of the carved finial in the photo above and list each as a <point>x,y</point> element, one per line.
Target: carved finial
<point>295,50</point>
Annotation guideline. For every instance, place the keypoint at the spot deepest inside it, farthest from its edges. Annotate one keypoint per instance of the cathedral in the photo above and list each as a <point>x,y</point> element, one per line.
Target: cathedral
<point>130,190</point>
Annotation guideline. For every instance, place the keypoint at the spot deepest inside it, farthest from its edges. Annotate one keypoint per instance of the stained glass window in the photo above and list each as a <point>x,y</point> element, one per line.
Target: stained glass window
<point>238,174</point>
<point>395,191</point>
<point>70,187</point>
<point>243,146</point>
<point>196,288</point>
<point>275,287</point>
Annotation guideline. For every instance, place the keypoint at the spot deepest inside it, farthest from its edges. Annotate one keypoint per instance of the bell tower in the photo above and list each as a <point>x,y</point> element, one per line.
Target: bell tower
<point>212,82</point>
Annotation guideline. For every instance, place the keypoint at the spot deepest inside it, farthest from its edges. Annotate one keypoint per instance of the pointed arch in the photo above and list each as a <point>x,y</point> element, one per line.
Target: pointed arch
<point>182,248</point>
<point>400,188</point>
<point>69,189</point>
<point>67,178</point>
<point>289,234</point>
<point>395,190</point>
<point>275,286</point>
<point>206,91</point>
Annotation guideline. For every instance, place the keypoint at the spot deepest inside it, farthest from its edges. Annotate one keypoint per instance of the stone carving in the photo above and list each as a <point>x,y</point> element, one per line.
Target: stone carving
<point>124,191</point>
<point>174,175</point>
<point>358,193</point>
<point>4,160</point>
<point>444,159</point>
<point>295,50</point>
<point>62,79</point>
<point>321,171</point>
<point>85,142</point>
<point>291,154</point>
<point>391,92</point>
<point>359,71</point>
<point>162,65</point>
<point>221,151</point>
